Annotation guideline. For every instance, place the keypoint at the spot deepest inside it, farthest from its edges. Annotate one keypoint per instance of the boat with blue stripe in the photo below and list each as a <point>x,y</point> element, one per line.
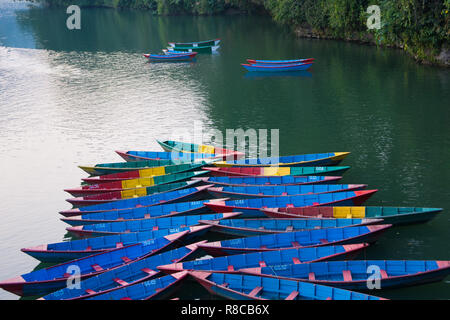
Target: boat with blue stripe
<point>302,160</point>
<point>187,157</point>
<point>277,68</point>
<point>250,192</point>
<point>354,275</point>
<point>253,227</point>
<point>234,263</point>
<point>308,238</point>
<point>250,208</point>
<point>155,289</point>
<point>76,249</point>
<point>170,197</point>
<point>139,225</point>
<point>236,181</point>
<point>246,287</point>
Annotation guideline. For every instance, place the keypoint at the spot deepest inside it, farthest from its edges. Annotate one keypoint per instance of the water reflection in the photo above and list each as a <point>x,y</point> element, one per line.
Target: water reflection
<point>260,75</point>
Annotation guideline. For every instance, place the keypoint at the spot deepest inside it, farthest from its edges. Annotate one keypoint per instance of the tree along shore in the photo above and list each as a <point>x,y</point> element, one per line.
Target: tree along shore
<point>421,28</point>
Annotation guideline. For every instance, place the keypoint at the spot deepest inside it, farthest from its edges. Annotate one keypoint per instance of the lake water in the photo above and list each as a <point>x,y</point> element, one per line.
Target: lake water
<point>73,97</point>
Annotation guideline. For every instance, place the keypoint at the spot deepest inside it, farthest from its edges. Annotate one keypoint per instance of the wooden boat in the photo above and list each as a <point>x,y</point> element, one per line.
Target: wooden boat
<point>234,263</point>
<point>246,287</point>
<point>115,167</point>
<point>164,174</point>
<point>250,208</point>
<point>213,42</point>
<point>76,249</point>
<point>244,192</point>
<point>156,289</point>
<point>390,215</point>
<point>44,281</point>
<point>125,276</point>
<point>309,238</point>
<point>303,160</point>
<point>139,202</point>
<point>201,49</point>
<point>162,155</point>
<point>253,227</point>
<point>318,159</point>
<point>353,275</point>
<point>172,209</point>
<point>236,181</point>
<point>129,193</point>
<point>101,227</point>
<point>277,68</point>
<point>170,58</point>
<point>278,62</point>
<point>274,171</point>
<point>178,146</point>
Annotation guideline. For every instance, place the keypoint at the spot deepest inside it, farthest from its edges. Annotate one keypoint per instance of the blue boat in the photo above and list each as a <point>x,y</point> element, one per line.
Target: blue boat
<point>237,181</point>
<point>155,289</point>
<point>170,57</point>
<point>355,275</point>
<point>139,202</point>
<point>299,239</point>
<point>245,287</point>
<point>236,262</point>
<point>44,281</point>
<point>278,62</point>
<point>283,68</point>
<point>125,276</point>
<point>254,227</point>
<point>301,160</point>
<point>109,228</point>
<point>250,192</point>
<point>184,157</point>
<point>251,208</point>
<point>160,211</point>
<point>76,249</point>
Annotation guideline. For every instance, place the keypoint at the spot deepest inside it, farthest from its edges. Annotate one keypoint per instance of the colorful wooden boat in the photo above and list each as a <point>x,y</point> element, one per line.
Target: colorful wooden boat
<point>353,275</point>
<point>76,249</point>
<point>44,281</point>
<point>251,207</point>
<point>278,62</point>
<point>244,192</point>
<point>162,155</point>
<point>309,238</point>
<point>165,174</point>
<point>246,287</point>
<point>274,171</point>
<point>213,42</point>
<point>390,215</point>
<point>201,49</point>
<point>170,58</point>
<point>139,202</point>
<point>254,227</point>
<point>236,181</point>
<point>178,146</point>
<point>97,227</point>
<point>234,263</point>
<point>125,276</point>
<point>303,160</point>
<point>129,193</point>
<point>155,289</point>
<point>277,68</point>
<point>115,167</point>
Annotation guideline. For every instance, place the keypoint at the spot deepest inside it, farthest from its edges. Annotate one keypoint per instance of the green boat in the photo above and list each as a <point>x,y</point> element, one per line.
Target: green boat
<point>117,167</point>
<point>202,49</point>
<point>205,43</point>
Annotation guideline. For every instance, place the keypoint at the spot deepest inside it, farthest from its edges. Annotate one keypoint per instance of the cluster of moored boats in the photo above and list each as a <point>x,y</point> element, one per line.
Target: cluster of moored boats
<point>288,229</point>
<point>187,51</point>
<point>184,51</point>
